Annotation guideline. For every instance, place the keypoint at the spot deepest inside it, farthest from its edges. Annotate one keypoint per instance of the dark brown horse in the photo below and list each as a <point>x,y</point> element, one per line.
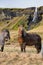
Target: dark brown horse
<point>28,39</point>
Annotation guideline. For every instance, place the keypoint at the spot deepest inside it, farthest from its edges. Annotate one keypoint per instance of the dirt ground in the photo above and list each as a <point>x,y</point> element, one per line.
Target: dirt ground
<point>13,56</point>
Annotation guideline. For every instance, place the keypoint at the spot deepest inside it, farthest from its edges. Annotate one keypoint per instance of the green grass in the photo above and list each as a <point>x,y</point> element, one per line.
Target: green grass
<point>22,21</point>
<point>39,24</point>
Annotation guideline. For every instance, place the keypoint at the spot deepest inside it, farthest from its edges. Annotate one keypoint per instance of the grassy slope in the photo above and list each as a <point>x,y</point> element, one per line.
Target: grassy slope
<point>10,22</point>
<point>14,21</point>
<point>4,25</point>
<point>22,21</point>
<point>38,29</point>
<point>13,24</point>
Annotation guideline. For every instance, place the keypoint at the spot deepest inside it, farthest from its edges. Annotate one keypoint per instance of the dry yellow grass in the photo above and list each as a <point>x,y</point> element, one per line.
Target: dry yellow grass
<point>38,29</point>
<point>13,56</point>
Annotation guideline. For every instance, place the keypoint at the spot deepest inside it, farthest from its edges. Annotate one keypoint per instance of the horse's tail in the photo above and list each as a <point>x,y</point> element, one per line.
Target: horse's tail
<point>39,44</point>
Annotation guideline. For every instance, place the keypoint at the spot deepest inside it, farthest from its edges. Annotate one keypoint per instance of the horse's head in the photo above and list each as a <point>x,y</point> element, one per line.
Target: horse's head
<point>21,31</point>
<point>20,28</point>
<point>6,34</point>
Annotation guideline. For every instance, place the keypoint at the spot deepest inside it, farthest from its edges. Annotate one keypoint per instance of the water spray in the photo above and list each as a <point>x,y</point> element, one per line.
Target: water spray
<point>35,13</point>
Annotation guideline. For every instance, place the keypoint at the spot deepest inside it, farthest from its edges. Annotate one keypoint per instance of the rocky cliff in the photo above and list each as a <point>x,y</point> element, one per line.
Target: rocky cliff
<point>9,13</point>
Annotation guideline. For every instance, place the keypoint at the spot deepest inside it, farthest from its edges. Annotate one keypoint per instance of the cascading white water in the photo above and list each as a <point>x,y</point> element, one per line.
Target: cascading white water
<point>35,16</point>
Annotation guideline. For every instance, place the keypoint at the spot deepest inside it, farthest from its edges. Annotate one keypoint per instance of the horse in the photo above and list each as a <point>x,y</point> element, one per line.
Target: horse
<point>28,39</point>
<point>8,34</point>
<point>4,35</point>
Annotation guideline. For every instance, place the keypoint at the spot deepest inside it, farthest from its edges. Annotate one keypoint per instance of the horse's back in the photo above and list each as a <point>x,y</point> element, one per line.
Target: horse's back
<point>33,36</point>
<point>32,39</point>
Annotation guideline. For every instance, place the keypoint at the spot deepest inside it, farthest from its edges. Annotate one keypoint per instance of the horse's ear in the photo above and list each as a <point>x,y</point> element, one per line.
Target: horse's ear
<point>19,25</point>
<point>23,25</point>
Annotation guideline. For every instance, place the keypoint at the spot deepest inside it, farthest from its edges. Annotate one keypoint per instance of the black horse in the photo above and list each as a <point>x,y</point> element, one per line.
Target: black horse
<point>4,35</point>
<point>29,39</point>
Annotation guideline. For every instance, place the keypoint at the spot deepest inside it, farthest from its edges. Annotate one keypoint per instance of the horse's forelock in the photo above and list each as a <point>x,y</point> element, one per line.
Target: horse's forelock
<point>21,31</point>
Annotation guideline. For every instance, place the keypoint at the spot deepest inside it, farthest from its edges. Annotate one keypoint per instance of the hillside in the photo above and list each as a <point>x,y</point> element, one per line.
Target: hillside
<point>37,29</point>
<point>12,55</point>
<point>11,23</point>
<point>9,13</point>
<point>11,17</point>
<point>20,18</point>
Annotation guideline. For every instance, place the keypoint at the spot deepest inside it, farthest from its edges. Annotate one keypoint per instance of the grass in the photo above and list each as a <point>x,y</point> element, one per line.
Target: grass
<point>4,25</point>
<point>22,21</point>
<point>38,29</point>
<point>12,23</point>
<point>12,54</point>
<point>41,34</point>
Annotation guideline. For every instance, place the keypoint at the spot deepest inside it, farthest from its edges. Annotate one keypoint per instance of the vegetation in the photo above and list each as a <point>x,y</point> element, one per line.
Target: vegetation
<point>38,29</point>
<point>12,54</point>
<point>22,21</point>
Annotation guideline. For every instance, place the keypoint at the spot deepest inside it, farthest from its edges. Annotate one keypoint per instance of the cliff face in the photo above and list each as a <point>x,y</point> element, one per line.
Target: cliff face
<point>7,13</point>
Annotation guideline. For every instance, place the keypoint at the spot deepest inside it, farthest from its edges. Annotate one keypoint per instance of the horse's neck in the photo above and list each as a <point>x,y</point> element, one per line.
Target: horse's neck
<point>2,34</point>
<point>19,31</point>
<point>24,33</point>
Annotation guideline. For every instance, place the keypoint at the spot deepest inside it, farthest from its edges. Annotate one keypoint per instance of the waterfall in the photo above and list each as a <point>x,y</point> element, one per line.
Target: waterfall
<point>35,16</point>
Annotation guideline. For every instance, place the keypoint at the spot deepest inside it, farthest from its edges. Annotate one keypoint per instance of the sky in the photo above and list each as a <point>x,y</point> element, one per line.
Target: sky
<point>20,3</point>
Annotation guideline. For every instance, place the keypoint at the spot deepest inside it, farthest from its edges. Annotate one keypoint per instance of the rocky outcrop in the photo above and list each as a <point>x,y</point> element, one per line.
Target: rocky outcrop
<point>7,13</point>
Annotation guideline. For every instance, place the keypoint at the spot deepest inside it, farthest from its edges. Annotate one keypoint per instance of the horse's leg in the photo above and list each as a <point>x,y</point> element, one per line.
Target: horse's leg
<point>38,50</point>
<point>2,48</point>
<point>38,47</point>
<point>21,47</point>
<point>24,46</point>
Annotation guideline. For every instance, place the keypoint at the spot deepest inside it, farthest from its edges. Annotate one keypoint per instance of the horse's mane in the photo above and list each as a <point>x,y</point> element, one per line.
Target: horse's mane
<point>6,30</point>
<point>24,33</point>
